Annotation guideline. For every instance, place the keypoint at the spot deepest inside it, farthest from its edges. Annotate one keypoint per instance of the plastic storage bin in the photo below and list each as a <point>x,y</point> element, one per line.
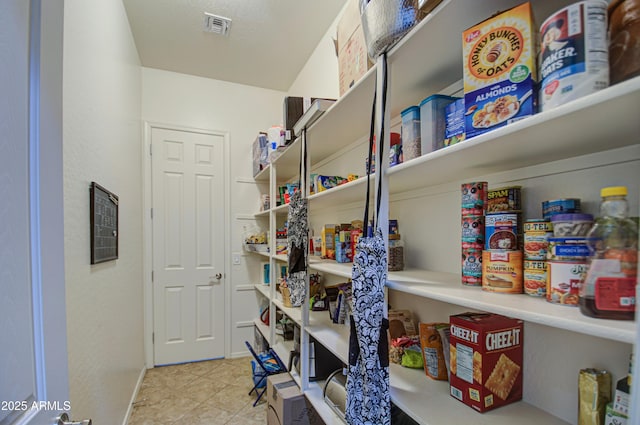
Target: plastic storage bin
<point>410,133</point>
<point>433,122</point>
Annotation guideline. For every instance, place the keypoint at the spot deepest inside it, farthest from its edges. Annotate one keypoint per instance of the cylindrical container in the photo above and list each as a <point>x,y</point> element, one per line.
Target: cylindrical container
<point>474,198</point>
<point>571,225</point>
<point>502,271</point>
<point>560,206</point>
<point>536,239</point>
<point>472,266</point>
<point>396,253</point>
<point>624,39</point>
<point>473,229</point>
<point>563,281</point>
<point>410,133</point>
<point>503,230</point>
<point>535,278</point>
<point>574,53</point>
<point>568,249</point>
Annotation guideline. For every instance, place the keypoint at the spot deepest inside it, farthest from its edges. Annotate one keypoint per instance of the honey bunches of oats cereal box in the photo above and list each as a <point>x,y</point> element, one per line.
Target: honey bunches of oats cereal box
<point>499,70</point>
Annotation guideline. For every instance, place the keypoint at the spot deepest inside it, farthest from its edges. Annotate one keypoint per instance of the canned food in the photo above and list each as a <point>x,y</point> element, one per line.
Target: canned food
<point>473,229</point>
<point>536,245</point>
<point>567,249</point>
<point>502,271</point>
<point>563,281</point>
<point>568,225</point>
<point>474,198</point>
<point>560,206</point>
<point>504,199</point>
<point>502,231</point>
<point>574,53</point>
<point>535,278</point>
<point>538,225</point>
<point>472,267</point>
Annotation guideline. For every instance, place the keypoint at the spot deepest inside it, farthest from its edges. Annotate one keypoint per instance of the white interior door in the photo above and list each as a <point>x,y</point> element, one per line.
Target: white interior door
<point>188,245</point>
<point>34,380</point>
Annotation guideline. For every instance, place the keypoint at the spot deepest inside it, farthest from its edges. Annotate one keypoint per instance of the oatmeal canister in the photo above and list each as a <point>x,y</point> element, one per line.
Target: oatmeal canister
<point>563,281</point>
<point>535,278</point>
<point>574,53</point>
<point>502,271</point>
<point>499,70</point>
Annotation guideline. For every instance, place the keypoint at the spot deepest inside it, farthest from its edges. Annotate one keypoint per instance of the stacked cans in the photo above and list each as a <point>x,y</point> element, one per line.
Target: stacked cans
<point>537,233</point>
<point>474,201</point>
<point>502,258</point>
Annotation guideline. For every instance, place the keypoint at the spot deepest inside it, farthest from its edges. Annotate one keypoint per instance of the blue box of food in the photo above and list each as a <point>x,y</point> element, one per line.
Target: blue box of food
<point>454,131</point>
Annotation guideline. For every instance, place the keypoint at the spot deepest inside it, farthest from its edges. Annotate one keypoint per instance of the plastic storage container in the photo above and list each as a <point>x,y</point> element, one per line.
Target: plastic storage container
<point>410,133</point>
<point>608,289</point>
<point>433,121</point>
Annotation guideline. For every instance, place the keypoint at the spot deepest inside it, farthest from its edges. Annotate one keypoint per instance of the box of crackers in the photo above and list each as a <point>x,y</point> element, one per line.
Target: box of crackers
<point>499,70</point>
<point>485,359</point>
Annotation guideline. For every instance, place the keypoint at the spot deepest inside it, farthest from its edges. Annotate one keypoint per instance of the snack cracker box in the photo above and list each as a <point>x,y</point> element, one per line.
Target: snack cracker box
<point>499,70</point>
<point>485,360</point>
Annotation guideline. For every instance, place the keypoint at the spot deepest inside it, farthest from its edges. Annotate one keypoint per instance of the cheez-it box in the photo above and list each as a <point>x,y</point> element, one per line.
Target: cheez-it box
<point>486,360</point>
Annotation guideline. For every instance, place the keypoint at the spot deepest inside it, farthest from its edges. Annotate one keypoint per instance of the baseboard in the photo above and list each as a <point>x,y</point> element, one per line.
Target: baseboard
<point>134,395</point>
<point>239,354</point>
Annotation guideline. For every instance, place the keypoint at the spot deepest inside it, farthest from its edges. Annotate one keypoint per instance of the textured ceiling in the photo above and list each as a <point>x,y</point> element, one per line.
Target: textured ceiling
<point>269,43</point>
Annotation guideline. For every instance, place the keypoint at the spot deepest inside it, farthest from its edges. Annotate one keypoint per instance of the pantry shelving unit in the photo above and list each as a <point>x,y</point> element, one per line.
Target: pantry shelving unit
<point>584,132</point>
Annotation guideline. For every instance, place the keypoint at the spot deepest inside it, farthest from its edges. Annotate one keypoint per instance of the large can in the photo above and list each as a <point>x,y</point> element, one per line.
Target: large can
<point>502,271</point>
<point>574,53</point>
<point>563,281</point>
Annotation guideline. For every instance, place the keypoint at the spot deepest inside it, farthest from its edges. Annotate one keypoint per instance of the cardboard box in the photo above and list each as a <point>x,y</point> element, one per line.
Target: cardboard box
<point>485,359</point>
<point>351,47</point>
<point>286,403</point>
<point>293,109</point>
<point>499,70</point>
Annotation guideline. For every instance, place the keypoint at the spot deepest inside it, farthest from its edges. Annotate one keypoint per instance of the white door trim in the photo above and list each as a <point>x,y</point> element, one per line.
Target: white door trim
<point>147,233</point>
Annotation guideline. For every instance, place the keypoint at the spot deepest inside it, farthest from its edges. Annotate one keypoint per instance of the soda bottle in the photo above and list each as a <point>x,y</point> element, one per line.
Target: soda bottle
<point>608,289</point>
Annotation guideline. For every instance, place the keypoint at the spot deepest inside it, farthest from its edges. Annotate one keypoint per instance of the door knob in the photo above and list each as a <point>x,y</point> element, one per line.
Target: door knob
<point>63,419</point>
<point>218,276</point>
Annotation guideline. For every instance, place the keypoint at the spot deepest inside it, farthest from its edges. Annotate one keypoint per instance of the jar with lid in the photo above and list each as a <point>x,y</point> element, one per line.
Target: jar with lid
<point>396,253</point>
<point>608,288</point>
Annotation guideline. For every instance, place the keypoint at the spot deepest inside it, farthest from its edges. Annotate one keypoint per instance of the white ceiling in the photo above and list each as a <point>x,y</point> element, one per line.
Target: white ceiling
<point>269,43</point>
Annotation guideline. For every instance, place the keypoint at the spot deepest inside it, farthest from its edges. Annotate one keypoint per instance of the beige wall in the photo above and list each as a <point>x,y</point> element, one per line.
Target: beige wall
<point>102,130</point>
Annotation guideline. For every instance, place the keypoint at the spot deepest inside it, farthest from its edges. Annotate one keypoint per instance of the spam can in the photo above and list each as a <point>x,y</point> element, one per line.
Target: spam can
<point>502,271</point>
<point>574,53</point>
<point>504,199</point>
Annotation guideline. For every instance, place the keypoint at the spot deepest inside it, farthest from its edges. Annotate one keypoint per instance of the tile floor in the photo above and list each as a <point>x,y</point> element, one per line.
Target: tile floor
<point>213,392</point>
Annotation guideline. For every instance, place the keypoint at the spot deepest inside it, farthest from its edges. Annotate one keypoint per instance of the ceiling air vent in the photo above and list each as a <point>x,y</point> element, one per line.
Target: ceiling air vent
<point>217,24</point>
